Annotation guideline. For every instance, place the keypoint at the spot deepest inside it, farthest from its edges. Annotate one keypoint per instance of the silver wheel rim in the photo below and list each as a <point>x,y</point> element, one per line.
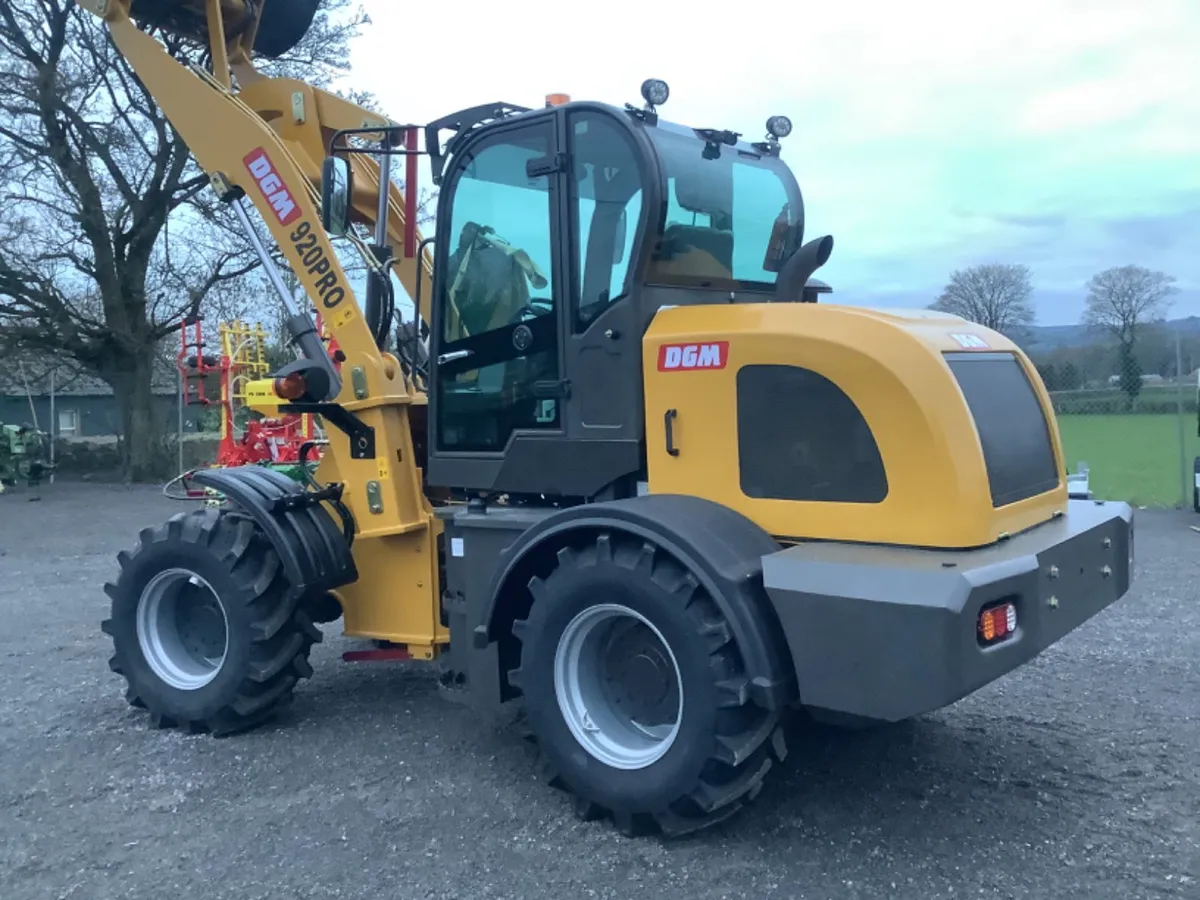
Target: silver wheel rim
<point>618,686</point>
<point>182,629</point>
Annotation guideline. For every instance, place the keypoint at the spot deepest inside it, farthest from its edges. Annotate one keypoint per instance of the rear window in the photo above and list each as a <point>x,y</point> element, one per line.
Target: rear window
<point>1012,427</point>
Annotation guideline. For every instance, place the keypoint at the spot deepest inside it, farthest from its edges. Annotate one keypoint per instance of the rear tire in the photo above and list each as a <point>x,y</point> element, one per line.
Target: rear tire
<point>206,629</point>
<point>666,739</point>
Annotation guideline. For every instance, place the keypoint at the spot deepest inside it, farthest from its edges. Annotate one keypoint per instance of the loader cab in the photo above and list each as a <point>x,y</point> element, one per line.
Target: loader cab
<point>560,233</point>
<point>535,384</point>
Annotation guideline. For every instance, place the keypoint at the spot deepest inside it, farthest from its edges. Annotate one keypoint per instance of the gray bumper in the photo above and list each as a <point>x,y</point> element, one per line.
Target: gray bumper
<point>885,633</point>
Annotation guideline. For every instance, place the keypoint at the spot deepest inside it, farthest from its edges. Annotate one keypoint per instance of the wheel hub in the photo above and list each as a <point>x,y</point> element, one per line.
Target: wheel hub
<point>182,629</point>
<point>618,686</point>
<point>640,678</point>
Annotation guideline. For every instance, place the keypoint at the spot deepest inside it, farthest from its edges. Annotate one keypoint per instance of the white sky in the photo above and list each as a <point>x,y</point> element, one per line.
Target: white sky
<point>928,135</point>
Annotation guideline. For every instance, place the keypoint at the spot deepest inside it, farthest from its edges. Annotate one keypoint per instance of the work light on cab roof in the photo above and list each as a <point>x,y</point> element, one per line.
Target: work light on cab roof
<point>655,92</point>
<point>779,127</point>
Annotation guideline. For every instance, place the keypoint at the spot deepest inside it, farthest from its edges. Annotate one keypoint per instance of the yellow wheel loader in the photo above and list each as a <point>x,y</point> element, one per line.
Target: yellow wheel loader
<point>626,467</point>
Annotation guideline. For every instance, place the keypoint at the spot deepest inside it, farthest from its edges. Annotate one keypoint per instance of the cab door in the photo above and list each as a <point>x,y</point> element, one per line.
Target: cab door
<point>496,346</point>
<point>604,213</point>
<point>536,386</point>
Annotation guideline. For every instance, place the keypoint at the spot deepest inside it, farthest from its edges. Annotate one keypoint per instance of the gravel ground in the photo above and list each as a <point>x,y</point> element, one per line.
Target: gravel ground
<point>1079,775</point>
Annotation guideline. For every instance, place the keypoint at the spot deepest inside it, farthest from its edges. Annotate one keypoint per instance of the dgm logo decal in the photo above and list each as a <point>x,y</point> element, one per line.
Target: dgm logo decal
<point>303,236</point>
<point>263,170</point>
<point>688,357</point>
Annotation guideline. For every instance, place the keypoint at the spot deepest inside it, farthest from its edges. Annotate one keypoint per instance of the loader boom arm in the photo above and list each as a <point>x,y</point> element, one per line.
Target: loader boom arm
<point>302,117</point>
<point>307,118</point>
<point>271,150</point>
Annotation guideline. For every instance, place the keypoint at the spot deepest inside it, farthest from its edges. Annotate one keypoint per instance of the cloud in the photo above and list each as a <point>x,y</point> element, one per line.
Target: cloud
<point>1064,134</point>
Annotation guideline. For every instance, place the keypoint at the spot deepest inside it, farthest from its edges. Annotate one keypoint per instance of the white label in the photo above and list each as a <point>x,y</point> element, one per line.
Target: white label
<point>456,546</point>
<point>970,341</point>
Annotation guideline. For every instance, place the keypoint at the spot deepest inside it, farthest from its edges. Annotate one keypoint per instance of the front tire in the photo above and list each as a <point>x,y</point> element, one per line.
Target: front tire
<point>637,694</point>
<point>206,629</point>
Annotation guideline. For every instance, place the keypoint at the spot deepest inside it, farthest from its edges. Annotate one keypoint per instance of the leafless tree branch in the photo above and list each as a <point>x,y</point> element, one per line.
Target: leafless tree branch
<point>994,295</point>
<point>108,237</point>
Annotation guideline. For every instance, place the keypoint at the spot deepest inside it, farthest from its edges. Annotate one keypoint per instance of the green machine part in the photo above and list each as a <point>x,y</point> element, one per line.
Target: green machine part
<point>21,455</point>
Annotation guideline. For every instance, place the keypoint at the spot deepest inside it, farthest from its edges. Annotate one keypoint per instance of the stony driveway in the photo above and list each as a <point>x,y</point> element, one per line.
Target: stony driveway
<point>1077,777</point>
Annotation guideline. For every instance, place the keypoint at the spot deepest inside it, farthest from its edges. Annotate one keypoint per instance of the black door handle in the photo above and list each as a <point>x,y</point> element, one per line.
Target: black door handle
<point>668,425</point>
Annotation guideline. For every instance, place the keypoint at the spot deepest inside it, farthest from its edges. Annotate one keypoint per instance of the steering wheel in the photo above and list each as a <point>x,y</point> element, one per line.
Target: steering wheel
<point>529,311</point>
<point>524,314</point>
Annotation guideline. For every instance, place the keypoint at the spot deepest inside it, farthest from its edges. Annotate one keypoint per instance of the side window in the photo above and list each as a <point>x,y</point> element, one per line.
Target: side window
<point>697,244</point>
<point>500,242</point>
<point>763,221</point>
<point>801,438</point>
<point>606,202</point>
<point>498,325</point>
<point>677,215</point>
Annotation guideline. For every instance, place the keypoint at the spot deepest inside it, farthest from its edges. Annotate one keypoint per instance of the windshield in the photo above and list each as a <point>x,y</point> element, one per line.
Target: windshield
<point>731,221</point>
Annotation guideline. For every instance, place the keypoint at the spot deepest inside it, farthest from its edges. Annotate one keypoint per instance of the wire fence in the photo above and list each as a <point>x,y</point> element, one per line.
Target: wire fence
<point>1130,415</point>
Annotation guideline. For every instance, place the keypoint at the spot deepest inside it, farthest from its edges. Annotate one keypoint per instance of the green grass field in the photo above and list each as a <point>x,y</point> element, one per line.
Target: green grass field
<point>1134,458</point>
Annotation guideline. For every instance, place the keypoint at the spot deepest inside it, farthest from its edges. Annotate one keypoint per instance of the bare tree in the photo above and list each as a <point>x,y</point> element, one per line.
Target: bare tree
<point>1123,297</point>
<point>995,295</point>
<point>1120,300</point>
<point>108,236</point>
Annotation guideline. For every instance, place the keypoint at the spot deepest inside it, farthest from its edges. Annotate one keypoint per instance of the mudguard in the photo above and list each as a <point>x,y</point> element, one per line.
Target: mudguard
<point>721,547</point>
<point>309,541</point>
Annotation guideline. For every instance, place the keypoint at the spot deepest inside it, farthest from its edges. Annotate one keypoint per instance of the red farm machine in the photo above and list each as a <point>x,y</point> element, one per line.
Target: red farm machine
<point>252,433</point>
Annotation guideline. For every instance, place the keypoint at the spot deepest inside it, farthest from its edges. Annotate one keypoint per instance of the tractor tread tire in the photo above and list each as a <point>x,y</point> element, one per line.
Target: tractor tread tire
<point>279,632</point>
<point>749,740</point>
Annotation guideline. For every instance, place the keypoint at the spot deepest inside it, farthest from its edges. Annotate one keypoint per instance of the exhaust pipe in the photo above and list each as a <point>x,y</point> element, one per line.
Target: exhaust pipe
<point>796,272</point>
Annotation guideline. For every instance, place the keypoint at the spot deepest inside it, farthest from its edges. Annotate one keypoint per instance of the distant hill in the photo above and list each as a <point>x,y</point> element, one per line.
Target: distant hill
<point>1050,337</point>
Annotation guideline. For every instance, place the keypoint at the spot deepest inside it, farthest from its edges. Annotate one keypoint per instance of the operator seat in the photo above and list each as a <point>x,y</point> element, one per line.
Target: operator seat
<point>693,251</point>
<point>489,281</point>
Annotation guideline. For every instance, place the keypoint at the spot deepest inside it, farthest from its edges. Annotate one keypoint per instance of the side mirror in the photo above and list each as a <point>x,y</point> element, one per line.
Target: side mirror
<point>336,184</point>
<point>622,233</point>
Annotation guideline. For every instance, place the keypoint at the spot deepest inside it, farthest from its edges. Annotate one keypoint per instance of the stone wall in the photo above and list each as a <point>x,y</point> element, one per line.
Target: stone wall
<point>100,460</point>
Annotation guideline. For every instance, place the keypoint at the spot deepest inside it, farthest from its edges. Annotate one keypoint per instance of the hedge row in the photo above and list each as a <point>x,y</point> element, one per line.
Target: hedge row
<point>1119,405</point>
<point>100,459</point>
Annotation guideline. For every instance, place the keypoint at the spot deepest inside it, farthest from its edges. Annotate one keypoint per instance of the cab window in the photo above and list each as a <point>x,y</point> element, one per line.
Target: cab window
<point>732,216</point>
<point>498,306</point>
<point>606,203</point>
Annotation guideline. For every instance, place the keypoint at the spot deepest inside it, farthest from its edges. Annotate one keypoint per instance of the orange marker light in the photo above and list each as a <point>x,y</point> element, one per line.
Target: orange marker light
<point>557,99</point>
<point>290,387</point>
